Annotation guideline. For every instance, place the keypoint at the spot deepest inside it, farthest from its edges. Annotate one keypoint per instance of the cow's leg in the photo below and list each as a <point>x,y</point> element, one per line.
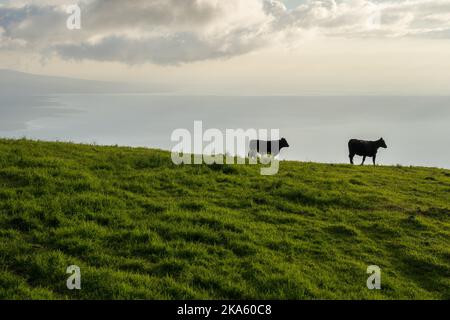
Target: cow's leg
<point>374,159</point>
<point>364,160</point>
<point>351,156</point>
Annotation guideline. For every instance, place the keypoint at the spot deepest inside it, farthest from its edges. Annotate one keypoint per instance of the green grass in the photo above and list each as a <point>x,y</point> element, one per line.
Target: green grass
<point>140,227</point>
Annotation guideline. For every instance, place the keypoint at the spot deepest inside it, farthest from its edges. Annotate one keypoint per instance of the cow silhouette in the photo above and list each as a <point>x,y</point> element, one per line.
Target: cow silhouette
<point>365,149</point>
<point>267,147</point>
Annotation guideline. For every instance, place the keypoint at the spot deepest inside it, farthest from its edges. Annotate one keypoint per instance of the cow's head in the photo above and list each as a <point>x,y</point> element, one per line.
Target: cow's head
<point>382,144</point>
<point>284,143</point>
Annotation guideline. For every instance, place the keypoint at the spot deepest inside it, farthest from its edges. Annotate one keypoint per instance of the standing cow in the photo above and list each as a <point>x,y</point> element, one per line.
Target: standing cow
<point>267,147</point>
<point>365,149</point>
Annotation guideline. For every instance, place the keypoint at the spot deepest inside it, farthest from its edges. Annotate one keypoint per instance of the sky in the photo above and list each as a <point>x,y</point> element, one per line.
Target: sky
<point>237,47</point>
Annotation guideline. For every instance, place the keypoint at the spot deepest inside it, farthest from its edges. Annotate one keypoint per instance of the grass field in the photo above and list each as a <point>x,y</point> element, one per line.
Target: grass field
<point>140,227</point>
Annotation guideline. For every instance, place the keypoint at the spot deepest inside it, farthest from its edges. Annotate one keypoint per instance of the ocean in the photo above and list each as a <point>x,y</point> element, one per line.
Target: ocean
<point>416,129</point>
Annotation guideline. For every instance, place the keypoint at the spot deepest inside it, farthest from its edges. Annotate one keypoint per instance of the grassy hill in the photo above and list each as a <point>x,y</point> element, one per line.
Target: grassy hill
<point>141,228</point>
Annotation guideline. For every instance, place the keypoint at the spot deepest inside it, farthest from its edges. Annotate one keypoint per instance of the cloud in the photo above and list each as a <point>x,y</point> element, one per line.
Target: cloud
<point>171,49</point>
<point>183,31</point>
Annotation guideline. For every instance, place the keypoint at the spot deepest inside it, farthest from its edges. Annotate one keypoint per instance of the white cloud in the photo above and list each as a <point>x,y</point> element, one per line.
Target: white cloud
<point>182,31</point>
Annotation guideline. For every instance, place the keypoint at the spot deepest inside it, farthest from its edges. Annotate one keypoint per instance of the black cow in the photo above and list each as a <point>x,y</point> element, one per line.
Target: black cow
<point>365,149</point>
<point>267,147</point>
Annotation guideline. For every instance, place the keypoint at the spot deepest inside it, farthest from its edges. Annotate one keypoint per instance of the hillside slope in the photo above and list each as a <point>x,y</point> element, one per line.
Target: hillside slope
<point>141,228</point>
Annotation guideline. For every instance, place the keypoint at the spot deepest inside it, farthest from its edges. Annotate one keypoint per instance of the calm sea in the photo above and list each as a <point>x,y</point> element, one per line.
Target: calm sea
<point>416,129</point>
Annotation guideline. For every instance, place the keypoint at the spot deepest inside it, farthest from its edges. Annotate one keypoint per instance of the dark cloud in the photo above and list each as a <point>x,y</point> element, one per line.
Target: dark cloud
<point>182,31</point>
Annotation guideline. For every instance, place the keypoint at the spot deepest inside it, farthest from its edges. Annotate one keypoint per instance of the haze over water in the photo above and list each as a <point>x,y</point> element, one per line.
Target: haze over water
<point>416,129</point>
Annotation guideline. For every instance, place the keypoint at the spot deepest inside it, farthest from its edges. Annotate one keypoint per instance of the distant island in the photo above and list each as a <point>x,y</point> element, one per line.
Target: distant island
<point>20,83</point>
